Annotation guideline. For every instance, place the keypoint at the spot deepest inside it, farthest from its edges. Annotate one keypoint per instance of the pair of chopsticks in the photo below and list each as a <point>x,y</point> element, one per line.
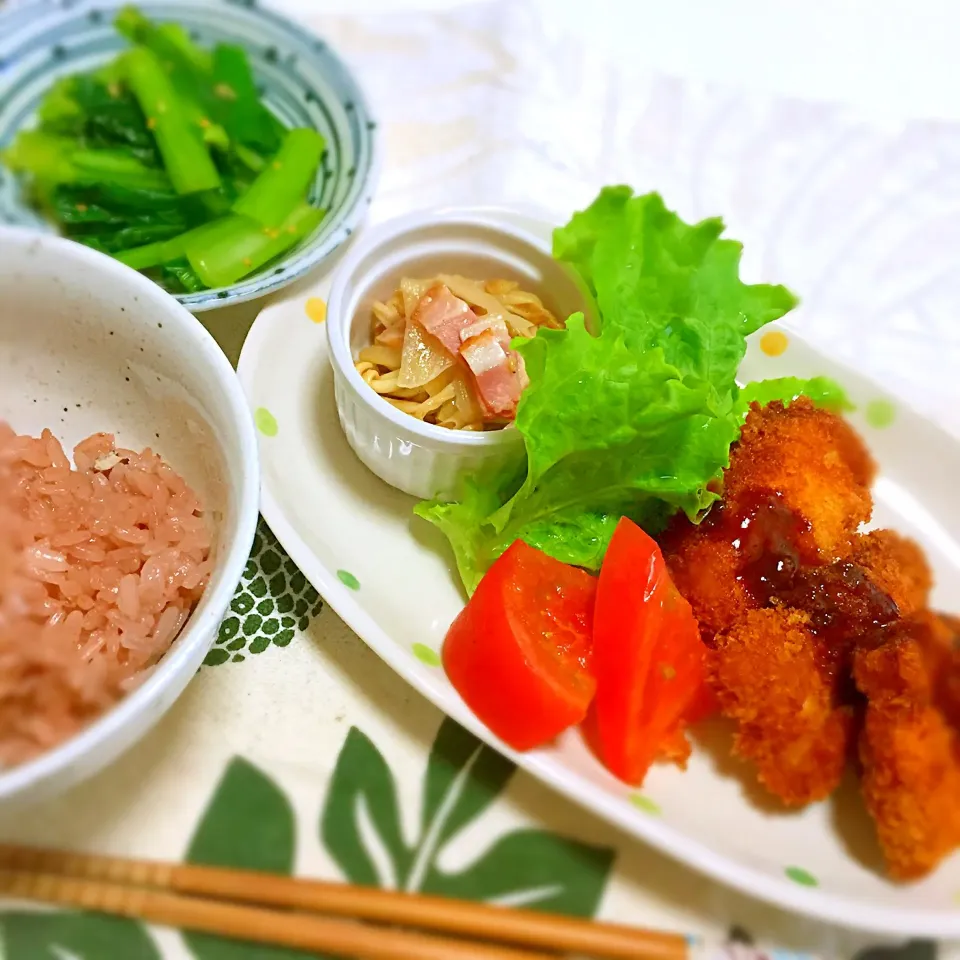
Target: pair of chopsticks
<point>315,915</point>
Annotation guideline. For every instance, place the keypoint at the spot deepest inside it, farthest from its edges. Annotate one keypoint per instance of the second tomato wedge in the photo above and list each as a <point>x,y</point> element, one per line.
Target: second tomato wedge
<point>519,651</point>
<point>648,658</point>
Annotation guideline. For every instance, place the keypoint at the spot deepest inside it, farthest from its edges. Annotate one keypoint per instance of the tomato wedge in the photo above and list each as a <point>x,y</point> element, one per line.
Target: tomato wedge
<point>519,651</point>
<point>648,658</point>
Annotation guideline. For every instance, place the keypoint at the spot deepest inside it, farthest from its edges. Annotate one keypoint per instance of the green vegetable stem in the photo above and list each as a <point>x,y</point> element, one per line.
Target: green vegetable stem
<point>55,160</point>
<point>223,251</point>
<point>284,182</point>
<point>140,258</point>
<point>169,42</point>
<point>239,245</point>
<point>237,106</point>
<point>184,153</point>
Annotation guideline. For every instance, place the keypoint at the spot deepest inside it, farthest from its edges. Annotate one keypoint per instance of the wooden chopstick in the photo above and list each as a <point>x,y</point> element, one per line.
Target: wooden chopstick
<point>298,930</point>
<point>527,928</point>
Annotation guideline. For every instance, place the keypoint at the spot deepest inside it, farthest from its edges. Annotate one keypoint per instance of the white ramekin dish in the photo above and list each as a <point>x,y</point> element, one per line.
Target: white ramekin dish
<point>420,458</point>
<point>87,345</point>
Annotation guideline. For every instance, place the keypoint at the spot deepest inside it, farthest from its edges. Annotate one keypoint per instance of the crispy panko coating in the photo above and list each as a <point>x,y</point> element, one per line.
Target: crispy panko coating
<point>769,676</point>
<point>897,566</point>
<point>799,479</point>
<point>952,624</point>
<point>949,690</point>
<point>705,567</point>
<point>909,749</point>
<point>815,462</point>
<point>941,649</point>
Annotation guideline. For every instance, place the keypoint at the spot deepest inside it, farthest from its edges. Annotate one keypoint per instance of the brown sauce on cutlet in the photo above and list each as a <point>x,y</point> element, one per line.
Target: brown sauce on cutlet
<point>779,568</point>
<point>774,544</point>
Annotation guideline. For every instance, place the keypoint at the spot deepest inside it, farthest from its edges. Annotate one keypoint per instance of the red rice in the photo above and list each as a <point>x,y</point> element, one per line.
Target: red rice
<point>99,568</point>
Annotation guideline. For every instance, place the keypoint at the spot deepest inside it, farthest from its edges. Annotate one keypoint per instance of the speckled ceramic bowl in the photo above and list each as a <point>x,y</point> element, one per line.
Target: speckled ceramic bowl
<point>305,84</point>
<point>86,344</point>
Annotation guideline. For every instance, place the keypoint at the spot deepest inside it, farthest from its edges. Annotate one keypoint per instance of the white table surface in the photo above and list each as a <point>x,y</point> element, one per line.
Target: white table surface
<point>893,58</point>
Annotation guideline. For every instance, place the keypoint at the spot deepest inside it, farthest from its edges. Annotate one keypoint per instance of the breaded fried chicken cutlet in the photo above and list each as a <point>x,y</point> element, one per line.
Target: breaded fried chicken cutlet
<point>897,566</point>
<point>909,747</point>
<point>796,491</point>
<point>814,462</point>
<point>821,644</point>
<point>798,486</point>
<point>944,661</point>
<point>768,676</point>
<point>800,647</point>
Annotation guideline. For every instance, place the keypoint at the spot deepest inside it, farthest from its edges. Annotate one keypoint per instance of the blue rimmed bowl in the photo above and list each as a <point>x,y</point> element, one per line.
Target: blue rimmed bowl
<point>303,81</point>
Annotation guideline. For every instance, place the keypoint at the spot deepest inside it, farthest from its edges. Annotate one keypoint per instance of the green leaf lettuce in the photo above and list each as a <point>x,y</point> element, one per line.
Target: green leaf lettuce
<point>636,421</point>
<point>823,391</point>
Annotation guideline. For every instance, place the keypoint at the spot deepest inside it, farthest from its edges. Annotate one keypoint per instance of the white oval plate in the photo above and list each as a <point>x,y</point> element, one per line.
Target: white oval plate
<point>390,577</point>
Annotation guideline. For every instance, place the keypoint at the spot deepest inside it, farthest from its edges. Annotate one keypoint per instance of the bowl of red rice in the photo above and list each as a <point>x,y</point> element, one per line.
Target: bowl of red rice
<point>128,505</point>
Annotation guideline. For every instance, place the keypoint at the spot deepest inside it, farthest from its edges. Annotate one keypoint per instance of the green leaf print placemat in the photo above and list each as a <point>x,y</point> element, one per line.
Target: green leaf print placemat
<point>273,601</point>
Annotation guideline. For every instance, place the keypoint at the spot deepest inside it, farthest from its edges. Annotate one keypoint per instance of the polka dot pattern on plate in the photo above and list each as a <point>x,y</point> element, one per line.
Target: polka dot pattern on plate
<point>316,309</point>
<point>265,421</point>
<point>801,876</point>
<point>646,804</point>
<point>774,343</point>
<point>880,413</point>
<point>426,655</point>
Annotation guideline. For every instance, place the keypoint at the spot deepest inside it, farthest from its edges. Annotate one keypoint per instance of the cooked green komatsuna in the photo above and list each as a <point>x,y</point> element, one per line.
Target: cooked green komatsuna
<point>167,159</point>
